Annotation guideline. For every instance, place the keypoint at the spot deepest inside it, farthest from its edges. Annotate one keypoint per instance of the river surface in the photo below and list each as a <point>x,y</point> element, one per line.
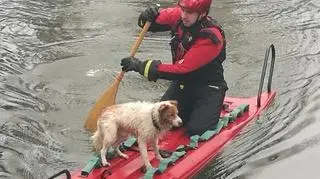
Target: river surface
<point>58,56</point>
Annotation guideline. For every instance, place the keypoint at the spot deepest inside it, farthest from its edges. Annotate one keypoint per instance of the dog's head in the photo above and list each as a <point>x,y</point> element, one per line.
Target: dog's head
<point>168,114</point>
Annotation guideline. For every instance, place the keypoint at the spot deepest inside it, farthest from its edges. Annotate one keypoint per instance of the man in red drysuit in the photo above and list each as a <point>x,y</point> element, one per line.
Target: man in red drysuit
<point>198,49</point>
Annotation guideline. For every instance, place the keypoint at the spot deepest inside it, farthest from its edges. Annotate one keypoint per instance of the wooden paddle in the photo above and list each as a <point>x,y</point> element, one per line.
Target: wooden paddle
<point>109,96</point>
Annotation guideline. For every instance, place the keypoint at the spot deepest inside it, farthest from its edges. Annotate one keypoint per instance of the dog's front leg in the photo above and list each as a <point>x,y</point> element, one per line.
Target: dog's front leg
<point>144,153</point>
<point>156,149</point>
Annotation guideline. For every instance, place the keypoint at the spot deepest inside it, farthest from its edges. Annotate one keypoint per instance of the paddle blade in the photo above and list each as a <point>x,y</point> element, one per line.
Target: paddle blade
<point>107,99</point>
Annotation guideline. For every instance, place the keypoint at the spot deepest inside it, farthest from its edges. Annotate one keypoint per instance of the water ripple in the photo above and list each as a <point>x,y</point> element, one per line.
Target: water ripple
<point>24,27</point>
<point>27,147</point>
<point>13,98</point>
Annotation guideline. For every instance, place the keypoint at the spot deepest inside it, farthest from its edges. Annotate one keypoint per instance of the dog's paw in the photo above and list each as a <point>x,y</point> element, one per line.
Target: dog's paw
<point>125,156</point>
<point>145,168</point>
<point>105,164</point>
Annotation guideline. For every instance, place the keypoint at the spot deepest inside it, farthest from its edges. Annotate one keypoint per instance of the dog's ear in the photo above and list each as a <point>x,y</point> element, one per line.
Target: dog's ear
<point>163,107</point>
<point>174,102</point>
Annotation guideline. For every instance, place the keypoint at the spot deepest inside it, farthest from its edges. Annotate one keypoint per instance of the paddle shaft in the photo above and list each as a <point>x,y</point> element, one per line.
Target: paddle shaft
<point>137,43</point>
<point>140,38</point>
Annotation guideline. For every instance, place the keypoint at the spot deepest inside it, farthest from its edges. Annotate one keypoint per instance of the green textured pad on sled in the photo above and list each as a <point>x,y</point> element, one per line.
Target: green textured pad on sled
<point>92,163</point>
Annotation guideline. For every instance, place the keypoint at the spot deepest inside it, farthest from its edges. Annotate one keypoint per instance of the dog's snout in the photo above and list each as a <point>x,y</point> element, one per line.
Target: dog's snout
<point>178,122</point>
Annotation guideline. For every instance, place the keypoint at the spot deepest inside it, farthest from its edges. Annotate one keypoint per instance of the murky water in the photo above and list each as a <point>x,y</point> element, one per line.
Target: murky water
<point>58,56</point>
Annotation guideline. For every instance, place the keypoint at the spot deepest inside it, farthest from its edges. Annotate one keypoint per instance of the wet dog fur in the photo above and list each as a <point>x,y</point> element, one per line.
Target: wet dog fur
<point>143,120</point>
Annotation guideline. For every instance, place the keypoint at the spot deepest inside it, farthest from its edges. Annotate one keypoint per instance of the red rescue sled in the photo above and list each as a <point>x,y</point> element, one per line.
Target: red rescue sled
<point>196,152</point>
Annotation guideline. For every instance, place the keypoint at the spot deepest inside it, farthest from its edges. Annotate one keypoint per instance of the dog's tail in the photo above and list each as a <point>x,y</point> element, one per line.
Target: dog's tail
<point>97,140</point>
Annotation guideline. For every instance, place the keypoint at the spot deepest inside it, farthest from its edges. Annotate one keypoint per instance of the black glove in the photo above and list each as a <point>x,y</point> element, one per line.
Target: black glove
<point>131,64</point>
<point>150,14</point>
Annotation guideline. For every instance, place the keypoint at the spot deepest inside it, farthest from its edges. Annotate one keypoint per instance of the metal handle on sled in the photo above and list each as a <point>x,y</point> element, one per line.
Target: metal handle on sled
<point>60,173</point>
<point>264,68</point>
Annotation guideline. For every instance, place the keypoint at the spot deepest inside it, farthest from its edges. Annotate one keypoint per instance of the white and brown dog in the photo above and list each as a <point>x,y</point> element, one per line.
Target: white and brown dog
<point>143,120</point>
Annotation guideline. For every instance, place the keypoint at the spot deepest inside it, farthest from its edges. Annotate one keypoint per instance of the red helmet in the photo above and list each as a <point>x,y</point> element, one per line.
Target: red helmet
<point>195,5</point>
